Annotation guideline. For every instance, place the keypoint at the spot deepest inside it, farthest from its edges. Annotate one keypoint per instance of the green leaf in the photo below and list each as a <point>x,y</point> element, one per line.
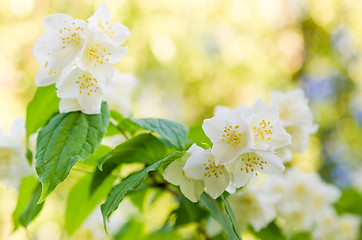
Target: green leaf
<point>198,136</point>
<point>176,133</point>
<point>143,148</point>
<point>68,138</point>
<point>32,209</point>
<point>26,193</point>
<point>124,124</point>
<point>221,217</point>
<point>271,232</point>
<point>81,202</point>
<point>230,213</point>
<point>188,212</point>
<point>43,106</point>
<point>132,182</point>
<point>100,152</point>
<point>349,202</point>
<point>133,229</point>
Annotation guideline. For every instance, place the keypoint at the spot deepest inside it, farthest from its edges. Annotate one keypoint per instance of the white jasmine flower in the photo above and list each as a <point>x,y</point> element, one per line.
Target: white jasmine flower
<point>83,87</point>
<point>62,42</point>
<point>326,225</point>
<point>116,33</point>
<point>293,107</point>
<point>252,206</point>
<point>293,217</point>
<point>98,56</point>
<point>13,162</point>
<point>349,226</point>
<point>248,165</point>
<point>201,165</point>
<point>230,135</point>
<point>268,133</point>
<point>175,174</point>
<point>296,116</point>
<point>120,99</point>
<point>305,194</point>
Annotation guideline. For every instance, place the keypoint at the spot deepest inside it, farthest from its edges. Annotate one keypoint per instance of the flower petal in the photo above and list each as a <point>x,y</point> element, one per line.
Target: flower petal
<point>213,128</point>
<point>69,105</point>
<point>192,189</point>
<point>194,165</point>
<point>273,166</point>
<point>55,22</point>
<point>215,186</point>
<point>174,172</point>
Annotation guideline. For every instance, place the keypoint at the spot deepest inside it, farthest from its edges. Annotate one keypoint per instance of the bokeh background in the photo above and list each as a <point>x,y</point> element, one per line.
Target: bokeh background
<point>191,55</point>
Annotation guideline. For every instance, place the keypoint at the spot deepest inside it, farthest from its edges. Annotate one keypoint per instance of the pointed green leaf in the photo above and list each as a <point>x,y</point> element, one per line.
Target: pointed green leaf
<point>143,148</point>
<point>220,216</point>
<point>68,138</point>
<point>132,182</point>
<point>32,209</point>
<point>230,213</point>
<point>81,202</point>
<point>176,133</point>
<point>43,106</point>
<point>26,191</point>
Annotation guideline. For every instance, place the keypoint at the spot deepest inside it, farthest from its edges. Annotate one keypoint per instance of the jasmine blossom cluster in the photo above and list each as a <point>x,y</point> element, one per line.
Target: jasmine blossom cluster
<point>78,57</point>
<point>246,141</point>
<point>293,200</point>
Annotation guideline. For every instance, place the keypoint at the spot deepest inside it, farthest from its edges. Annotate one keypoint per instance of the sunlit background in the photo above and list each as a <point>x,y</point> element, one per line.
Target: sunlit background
<point>191,55</point>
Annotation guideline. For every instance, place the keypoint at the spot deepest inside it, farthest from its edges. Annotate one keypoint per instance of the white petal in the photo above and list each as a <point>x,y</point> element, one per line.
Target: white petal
<point>55,22</point>
<point>174,172</point>
<point>192,189</point>
<point>280,138</point>
<point>224,153</point>
<point>69,105</point>
<point>101,13</point>
<point>241,178</point>
<point>68,87</point>
<point>44,45</point>
<point>46,76</point>
<point>284,154</point>
<point>273,166</point>
<point>121,33</point>
<point>215,186</point>
<point>91,104</point>
<point>300,138</point>
<point>194,167</point>
<point>117,53</point>
<point>221,111</point>
<point>214,128</point>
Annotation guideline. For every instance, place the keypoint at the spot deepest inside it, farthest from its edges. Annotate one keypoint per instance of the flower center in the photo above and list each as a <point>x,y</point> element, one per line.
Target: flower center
<point>70,35</point>
<point>250,161</point>
<point>263,130</point>
<point>87,84</point>
<point>97,55</point>
<point>212,170</point>
<point>5,155</point>
<point>287,109</point>
<point>105,28</point>
<point>231,135</point>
